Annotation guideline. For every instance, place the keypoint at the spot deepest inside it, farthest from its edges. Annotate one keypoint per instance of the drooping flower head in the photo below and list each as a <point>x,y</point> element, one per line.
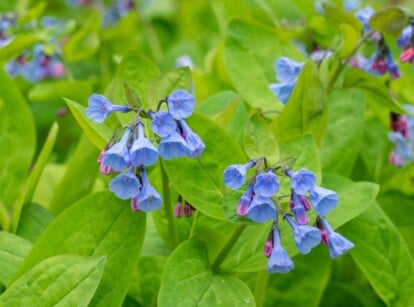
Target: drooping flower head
<point>162,123</point>
<point>261,209</point>
<point>381,62</point>
<point>245,201</point>
<point>338,245</point>
<point>266,184</point>
<point>148,199</point>
<point>364,15</point>
<point>301,181</point>
<point>117,156</point>
<point>350,5</point>
<point>405,37</point>
<point>125,185</point>
<point>298,209</point>
<point>235,175</point>
<point>323,200</point>
<point>403,148</point>
<point>142,151</point>
<point>99,107</point>
<point>279,261</point>
<point>306,237</point>
<point>194,144</point>
<point>172,146</point>
<point>180,104</point>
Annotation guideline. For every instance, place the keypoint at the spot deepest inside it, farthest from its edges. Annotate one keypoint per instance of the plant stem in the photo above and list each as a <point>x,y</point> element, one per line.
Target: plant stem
<point>342,65</point>
<point>193,224</point>
<point>4,218</point>
<point>227,248</point>
<point>261,286</point>
<point>172,229</point>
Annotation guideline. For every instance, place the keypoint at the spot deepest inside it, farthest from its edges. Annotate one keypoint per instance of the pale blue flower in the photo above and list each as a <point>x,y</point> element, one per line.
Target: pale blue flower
<point>323,200</point>
<point>142,151</point>
<point>180,104</point>
<point>235,175</point>
<point>306,237</point>
<point>261,209</point>
<point>117,156</point>
<point>266,184</point>
<point>279,261</point>
<point>338,245</point>
<point>125,185</point>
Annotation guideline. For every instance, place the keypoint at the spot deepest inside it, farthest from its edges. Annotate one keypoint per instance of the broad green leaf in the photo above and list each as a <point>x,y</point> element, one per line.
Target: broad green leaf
<point>382,256</point>
<point>251,50</point>
<point>166,83</point>
<point>78,179</point>
<point>13,250</point>
<point>311,272</point>
<point>33,221</point>
<point>99,224</point>
<point>357,78</point>
<point>346,119</point>
<point>17,140</point>
<point>76,90</point>
<point>98,134</point>
<point>217,103</point>
<point>32,15</point>
<point>17,46</point>
<point>225,11</point>
<point>147,279</point>
<point>259,140</point>
<point>51,176</point>
<point>338,15</point>
<point>65,280</point>
<point>200,180</point>
<point>306,110</point>
<point>31,183</point>
<point>349,39</point>
<point>84,43</point>
<point>389,20</point>
<point>188,277</point>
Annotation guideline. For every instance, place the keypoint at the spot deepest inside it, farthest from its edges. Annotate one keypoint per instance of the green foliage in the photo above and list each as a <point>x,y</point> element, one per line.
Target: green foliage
<point>389,20</point>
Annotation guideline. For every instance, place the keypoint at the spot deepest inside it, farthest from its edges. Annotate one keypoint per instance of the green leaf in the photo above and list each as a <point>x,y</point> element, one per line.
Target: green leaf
<point>306,110</point>
<point>188,276</point>
<point>166,83</point>
<point>259,141</point>
<point>13,250</point>
<point>200,180</point>
<point>346,109</point>
<point>98,134</point>
<point>338,16</point>
<point>99,224</point>
<point>17,46</point>
<point>349,39</point>
<point>66,280</point>
<point>389,20</point>
<point>357,78</point>
<point>17,140</point>
<point>214,105</point>
<point>31,183</point>
<point>225,11</point>
<point>84,43</point>
<point>33,221</point>
<point>76,90</point>
<point>382,256</point>
<point>251,50</point>
<point>79,178</point>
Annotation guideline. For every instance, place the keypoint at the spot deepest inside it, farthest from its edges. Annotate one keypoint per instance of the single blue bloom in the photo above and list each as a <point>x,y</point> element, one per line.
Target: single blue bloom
<point>306,237</point>
<point>48,21</point>
<point>410,121</point>
<point>99,107</point>
<point>180,104</point>
<point>392,67</point>
<point>338,245</point>
<point>301,181</point>
<point>172,146</point>
<point>266,184</point>
<point>287,70</point>
<point>364,15</point>
<point>403,146</point>
<point>184,61</point>
<point>282,91</point>
<point>142,151</point>
<point>162,123</point>
<point>125,185</point>
<point>194,144</point>
<point>261,209</point>
<point>350,5</point>
<point>117,156</point>
<point>298,209</point>
<point>404,40</point>
<point>148,198</point>
<point>245,201</point>
<point>235,175</point>
<point>323,200</point>
<point>279,261</point>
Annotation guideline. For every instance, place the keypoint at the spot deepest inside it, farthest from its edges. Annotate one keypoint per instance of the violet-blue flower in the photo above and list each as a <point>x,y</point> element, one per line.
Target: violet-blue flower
<point>323,200</point>
<point>282,91</point>
<point>117,156</point>
<point>279,261</point>
<point>99,107</point>
<point>338,245</point>
<point>162,123</point>
<point>403,147</point>
<point>266,184</point>
<point>125,185</point>
<point>350,5</point>
<point>261,209</point>
<point>405,37</point>
<point>298,209</point>
<point>364,15</point>
<point>306,237</point>
<point>194,144</point>
<point>235,175</point>
<point>148,198</point>
<point>172,146</point>
<point>142,151</point>
<point>301,181</point>
<point>180,104</point>
<point>245,201</point>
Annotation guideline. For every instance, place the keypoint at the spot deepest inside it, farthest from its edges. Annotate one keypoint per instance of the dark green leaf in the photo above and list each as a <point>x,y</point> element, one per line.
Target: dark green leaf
<point>338,15</point>
<point>389,20</point>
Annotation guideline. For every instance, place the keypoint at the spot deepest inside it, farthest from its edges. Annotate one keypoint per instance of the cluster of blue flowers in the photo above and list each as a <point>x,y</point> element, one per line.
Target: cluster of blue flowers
<point>38,63</point>
<point>402,136</point>
<point>133,152</point>
<point>259,203</point>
